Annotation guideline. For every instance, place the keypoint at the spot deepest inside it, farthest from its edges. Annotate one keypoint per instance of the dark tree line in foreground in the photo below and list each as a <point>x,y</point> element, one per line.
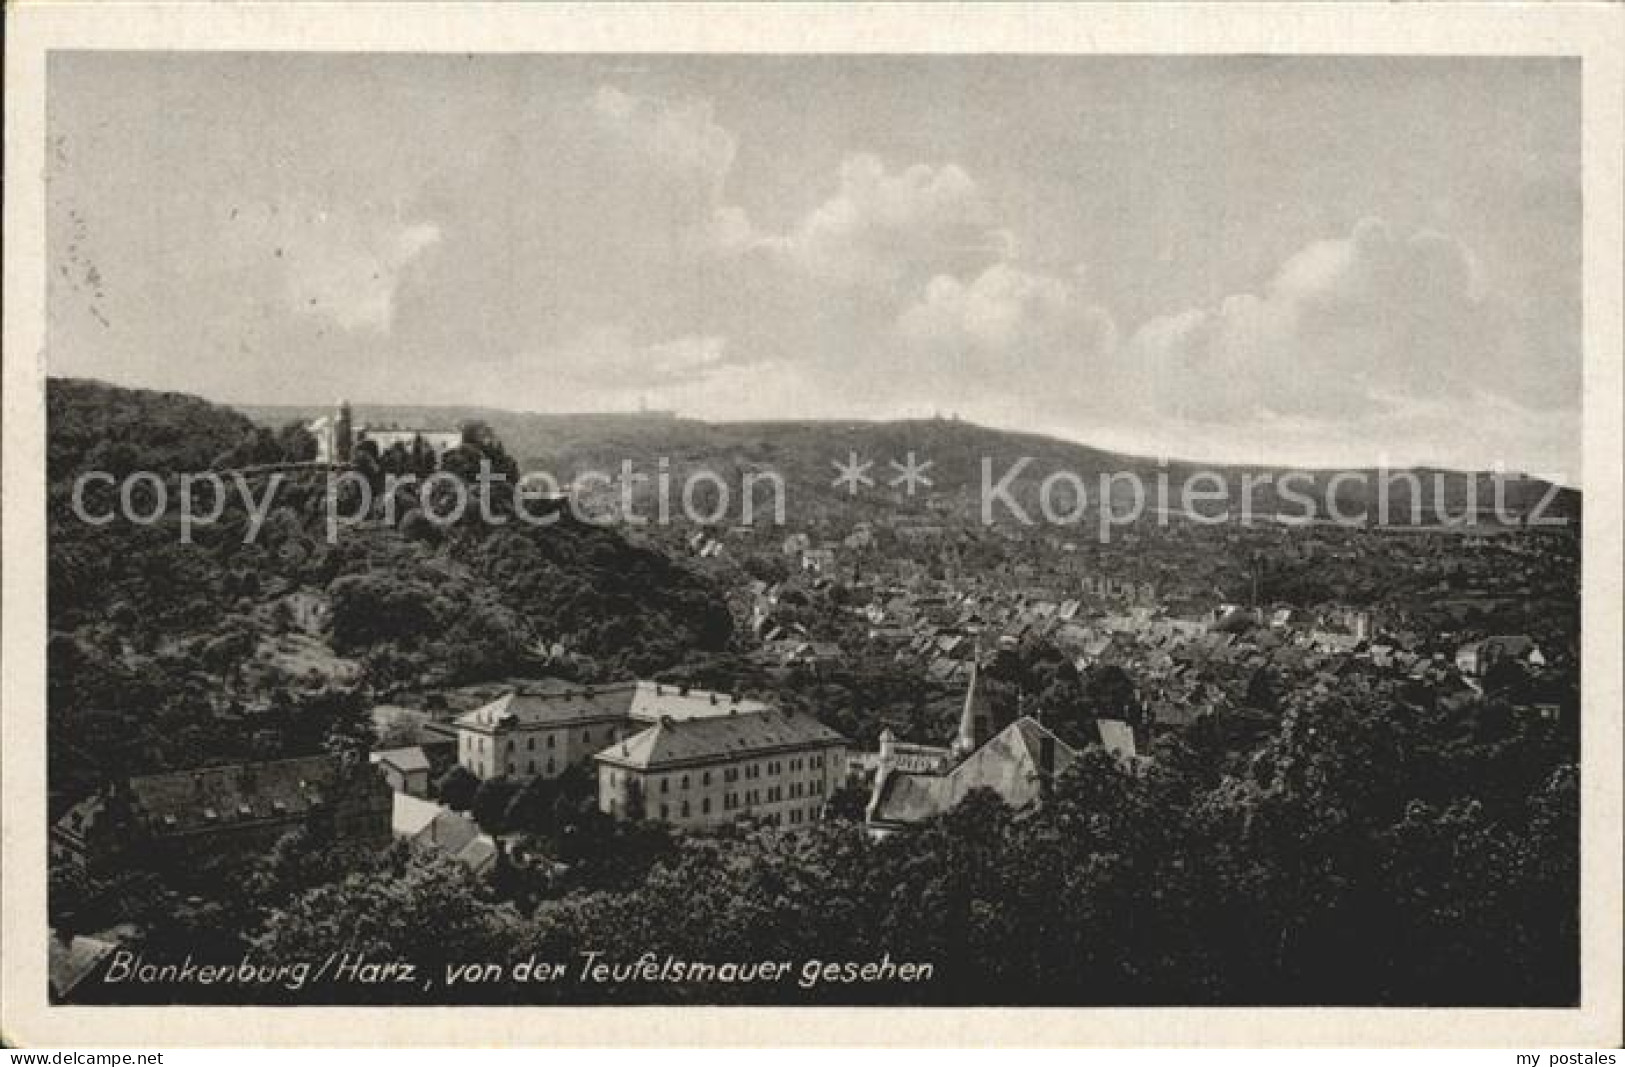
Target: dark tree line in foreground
<point>1369,852</point>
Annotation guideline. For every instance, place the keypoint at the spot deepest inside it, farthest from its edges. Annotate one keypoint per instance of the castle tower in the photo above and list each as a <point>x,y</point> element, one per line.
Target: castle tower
<point>343,429</point>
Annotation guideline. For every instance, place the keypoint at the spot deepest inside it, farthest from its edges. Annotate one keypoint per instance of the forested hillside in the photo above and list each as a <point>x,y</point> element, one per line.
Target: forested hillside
<point>165,654</point>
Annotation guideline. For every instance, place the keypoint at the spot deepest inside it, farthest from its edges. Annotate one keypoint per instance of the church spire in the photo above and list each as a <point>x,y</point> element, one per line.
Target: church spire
<point>976,719</point>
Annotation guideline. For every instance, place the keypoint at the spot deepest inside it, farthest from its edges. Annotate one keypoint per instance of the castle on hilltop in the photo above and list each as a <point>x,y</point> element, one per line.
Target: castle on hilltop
<point>338,436</point>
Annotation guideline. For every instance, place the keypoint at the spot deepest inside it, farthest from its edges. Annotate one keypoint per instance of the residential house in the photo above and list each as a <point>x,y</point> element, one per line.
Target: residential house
<point>405,769</point>
<point>431,829</point>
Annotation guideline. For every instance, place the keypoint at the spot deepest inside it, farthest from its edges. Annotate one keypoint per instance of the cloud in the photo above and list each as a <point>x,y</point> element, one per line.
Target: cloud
<point>674,156</point>
<point>1347,329</point>
<point>604,207</point>
<point>1008,320</point>
<point>883,226</point>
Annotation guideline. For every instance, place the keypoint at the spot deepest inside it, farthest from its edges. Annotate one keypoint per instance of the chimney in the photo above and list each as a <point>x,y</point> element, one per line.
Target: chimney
<point>888,745</point>
<point>1046,764</point>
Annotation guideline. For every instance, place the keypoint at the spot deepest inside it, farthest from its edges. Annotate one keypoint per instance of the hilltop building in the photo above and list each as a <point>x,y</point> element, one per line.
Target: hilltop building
<point>338,437</point>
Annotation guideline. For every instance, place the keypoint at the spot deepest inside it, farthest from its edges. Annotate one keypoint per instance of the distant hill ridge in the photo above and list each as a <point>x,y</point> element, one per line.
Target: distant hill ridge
<point>803,451</point>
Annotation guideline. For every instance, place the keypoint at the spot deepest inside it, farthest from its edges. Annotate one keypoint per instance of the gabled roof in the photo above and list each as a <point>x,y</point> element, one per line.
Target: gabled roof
<point>216,796</point>
<point>1009,764</point>
<point>562,706</point>
<point>652,701</point>
<point>445,832</point>
<point>479,854</point>
<point>671,742</point>
<point>410,758</point>
<point>1117,737</point>
<point>412,815</point>
<point>73,959</point>
<point>448,832</point>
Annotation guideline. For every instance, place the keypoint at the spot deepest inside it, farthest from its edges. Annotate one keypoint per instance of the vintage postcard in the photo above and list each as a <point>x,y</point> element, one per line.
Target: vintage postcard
<point>792,523</point>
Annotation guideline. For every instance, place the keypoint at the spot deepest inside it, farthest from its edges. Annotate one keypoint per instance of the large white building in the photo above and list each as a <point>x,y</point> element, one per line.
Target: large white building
<point>338,436</point>
<point>688,757</point>
<point>776,766</point>
<point>541,730</point>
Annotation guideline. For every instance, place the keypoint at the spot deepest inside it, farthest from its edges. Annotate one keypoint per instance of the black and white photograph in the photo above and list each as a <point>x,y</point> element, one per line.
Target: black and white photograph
<point>905,529</point>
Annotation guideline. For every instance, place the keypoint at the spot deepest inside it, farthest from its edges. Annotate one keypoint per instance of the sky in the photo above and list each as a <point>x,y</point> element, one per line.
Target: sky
<point>1319,261</point>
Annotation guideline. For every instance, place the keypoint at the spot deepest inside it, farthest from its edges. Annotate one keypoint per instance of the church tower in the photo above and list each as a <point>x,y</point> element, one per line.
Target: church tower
<point>976,720</point>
